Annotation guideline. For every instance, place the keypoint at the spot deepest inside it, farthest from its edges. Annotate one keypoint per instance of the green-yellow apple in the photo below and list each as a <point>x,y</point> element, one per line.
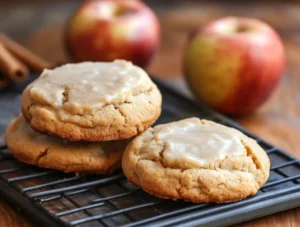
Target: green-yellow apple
<point>104,30</point>
<point>233,64</point>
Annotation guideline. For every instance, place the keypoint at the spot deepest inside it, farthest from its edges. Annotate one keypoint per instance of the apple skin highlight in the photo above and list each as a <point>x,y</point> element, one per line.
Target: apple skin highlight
<point>234,64</point>
<point>105,30</point>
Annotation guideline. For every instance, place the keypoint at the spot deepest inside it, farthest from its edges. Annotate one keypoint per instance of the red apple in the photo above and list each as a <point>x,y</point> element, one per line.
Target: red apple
<point>105,30</point>
<point>233,64</point>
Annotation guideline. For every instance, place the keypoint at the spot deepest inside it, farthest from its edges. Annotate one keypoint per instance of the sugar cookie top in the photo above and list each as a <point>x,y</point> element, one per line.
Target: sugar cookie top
<point>90,84</point>
<point>92,101</point>
<point>190,143</point>
<point>196,160</point>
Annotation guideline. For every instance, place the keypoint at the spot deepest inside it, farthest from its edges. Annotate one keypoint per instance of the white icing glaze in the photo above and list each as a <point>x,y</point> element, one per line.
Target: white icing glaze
<point>90,83</point>
<point>195,144</point>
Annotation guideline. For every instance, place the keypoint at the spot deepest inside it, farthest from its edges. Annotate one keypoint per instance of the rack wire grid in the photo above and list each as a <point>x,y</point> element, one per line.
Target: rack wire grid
<point>52,198</point>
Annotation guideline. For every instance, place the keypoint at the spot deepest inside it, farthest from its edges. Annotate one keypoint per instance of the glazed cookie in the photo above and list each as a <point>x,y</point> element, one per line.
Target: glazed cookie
<point>92,101</point>
<point>51,152</point>
<point>196,160</point>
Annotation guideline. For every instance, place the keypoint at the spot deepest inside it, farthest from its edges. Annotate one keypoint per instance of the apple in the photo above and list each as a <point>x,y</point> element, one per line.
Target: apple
<point>233,64</point>
<point>105,30</point>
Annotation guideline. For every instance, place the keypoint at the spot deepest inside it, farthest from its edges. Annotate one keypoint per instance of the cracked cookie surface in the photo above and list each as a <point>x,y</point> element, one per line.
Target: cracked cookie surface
<point>46,151</point>
<point>92,101</point>
<point>196,160</point>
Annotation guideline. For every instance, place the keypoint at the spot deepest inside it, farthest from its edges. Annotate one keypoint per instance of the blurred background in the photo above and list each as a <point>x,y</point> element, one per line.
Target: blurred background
<point>32,22</point>
<point>39,25</point>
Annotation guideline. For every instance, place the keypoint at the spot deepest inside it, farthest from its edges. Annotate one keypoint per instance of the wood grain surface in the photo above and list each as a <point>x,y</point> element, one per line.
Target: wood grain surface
<point>39,25</point>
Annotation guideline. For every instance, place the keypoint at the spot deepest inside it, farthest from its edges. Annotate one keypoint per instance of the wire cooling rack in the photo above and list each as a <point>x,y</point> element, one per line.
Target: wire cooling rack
<point>52,198</point>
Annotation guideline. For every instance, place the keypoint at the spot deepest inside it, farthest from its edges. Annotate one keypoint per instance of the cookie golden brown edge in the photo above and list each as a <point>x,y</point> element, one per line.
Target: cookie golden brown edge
<point>51,152</point>
<point>196,160</point>
<point>92,101</point>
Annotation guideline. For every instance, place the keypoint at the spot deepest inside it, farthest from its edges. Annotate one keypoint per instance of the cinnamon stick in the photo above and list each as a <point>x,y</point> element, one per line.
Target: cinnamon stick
<point>11,66</point>
<point>29,58</point>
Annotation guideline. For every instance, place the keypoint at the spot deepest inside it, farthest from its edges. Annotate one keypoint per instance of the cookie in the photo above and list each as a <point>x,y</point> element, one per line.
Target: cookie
<point>196,160</point>
<point>92,101</point>
<point>46,151</point>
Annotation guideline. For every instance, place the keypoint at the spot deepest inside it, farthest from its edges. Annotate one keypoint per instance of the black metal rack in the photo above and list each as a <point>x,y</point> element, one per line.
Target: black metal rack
<point>53,198</point>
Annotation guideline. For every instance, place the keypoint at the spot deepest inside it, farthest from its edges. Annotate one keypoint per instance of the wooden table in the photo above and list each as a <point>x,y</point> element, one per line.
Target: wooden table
<point>278,121</point>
